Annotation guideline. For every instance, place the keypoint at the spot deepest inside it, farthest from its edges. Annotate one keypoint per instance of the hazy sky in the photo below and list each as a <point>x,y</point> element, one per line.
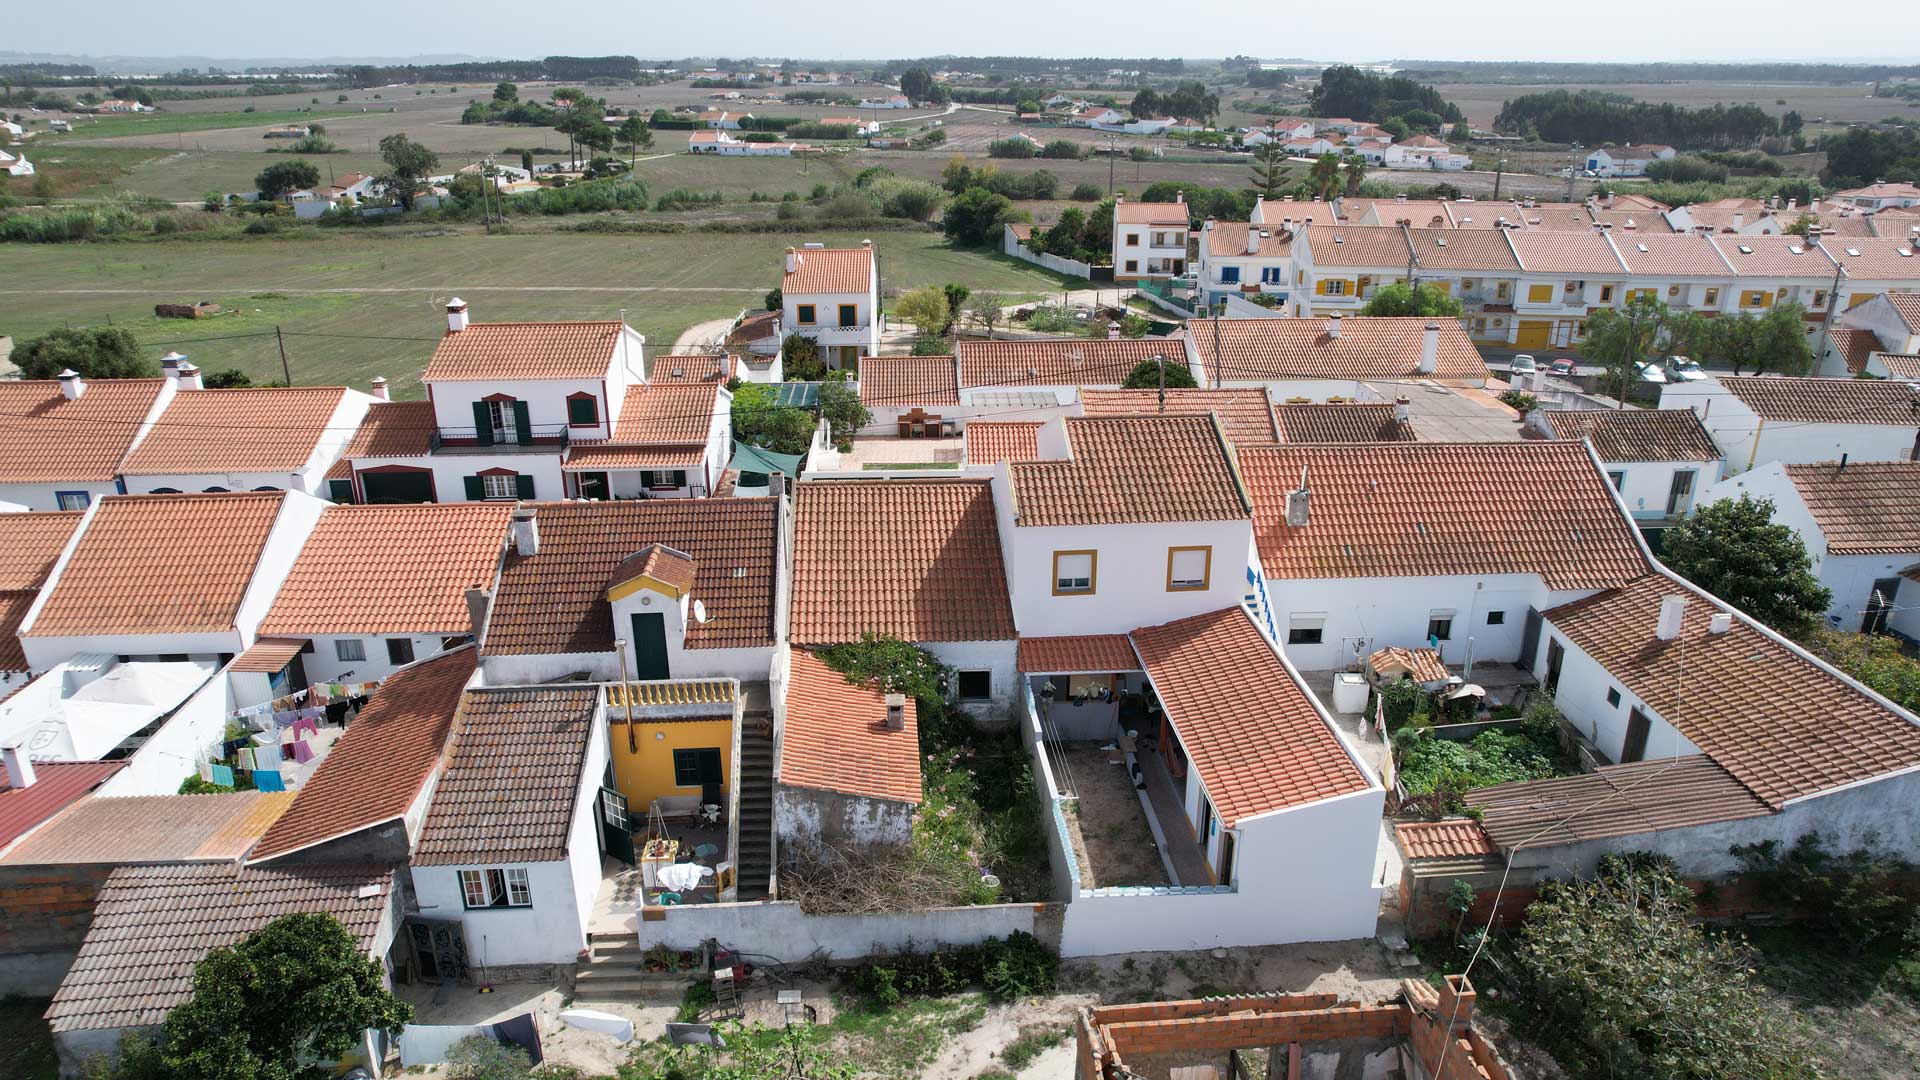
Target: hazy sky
<point>1624,30</point>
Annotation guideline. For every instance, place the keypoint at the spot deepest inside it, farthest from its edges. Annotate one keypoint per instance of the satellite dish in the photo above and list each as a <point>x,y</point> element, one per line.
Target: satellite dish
<point>699,611</point>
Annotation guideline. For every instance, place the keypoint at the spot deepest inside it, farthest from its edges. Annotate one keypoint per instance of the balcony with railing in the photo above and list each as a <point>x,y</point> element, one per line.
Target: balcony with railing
<point>533,439</point>
<point>837,334</point>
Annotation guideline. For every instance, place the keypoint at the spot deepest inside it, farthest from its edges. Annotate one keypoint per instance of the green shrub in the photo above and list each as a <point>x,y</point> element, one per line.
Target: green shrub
<point>1016,967</point>
<point>1858,900</point>
<point>1011,148</point>
<point>686,199</point>
<point>1087,191</point>
<point>584,198</point>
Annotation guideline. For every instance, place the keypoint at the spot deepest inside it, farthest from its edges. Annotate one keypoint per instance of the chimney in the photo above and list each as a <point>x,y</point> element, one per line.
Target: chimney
<point>866,243</point>
<point>1333,326</point>
<point>1671,610</point>
<point>1791,203</point>
<point>170,364</point>
<point>1456,1002</point>
<point>793,261</point>
<point>1180,196</point>
<point>19,769</point>
<point>1739,219</point>
<point>1402,409</point>
<point>380,388</point>
<point>896,712</point>
<point>189,378</point>
<point>1297,500</point>
<point>456,315</point>
<point>1429,349</point>
<point>1259,215</point>
<point>1253,240</point>
<point>526,532</point>
<point>72,385</point>
<point>1721,623</point>
<point>479,602</point>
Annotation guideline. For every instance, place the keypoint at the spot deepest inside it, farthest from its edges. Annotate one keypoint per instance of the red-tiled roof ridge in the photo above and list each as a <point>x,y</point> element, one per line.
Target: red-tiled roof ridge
<point>1122,469</point>
<point>1456,838</point>
<point>1077,653</point>
<point>46,438</point>
<point>836,736</point>
<point>378,768</point>
<point>57,784</point>
<point>239,429</point>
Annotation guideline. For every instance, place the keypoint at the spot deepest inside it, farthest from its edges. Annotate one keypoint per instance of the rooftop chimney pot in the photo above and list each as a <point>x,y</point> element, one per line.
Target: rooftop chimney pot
<point>526,532</point>
<point>1333,326</point>
<point>456,315</point>
<point>479,602</point>
<point>71,384</point>
<point>189,378</point>
<point>896,712</point>
<point>1672,609</point>
<point>1429,349</point>
<point>19,768</point>
<point>1402,409</point>
<point>380,388</point>
<point>1722,622</point>
<point>793,261</point>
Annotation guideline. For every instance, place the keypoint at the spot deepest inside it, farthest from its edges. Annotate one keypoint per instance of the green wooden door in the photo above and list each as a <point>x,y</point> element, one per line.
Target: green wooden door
<point>650,645</point>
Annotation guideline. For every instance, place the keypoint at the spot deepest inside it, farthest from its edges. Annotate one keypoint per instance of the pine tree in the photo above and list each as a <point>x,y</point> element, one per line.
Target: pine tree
<point>1269,171</point>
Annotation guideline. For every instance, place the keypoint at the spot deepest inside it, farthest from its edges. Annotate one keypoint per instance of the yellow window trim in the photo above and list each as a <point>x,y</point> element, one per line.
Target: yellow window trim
<point>1539,294</point>
<point>805,314</point>
<point>1206,576</point>
<point>1093,572</point>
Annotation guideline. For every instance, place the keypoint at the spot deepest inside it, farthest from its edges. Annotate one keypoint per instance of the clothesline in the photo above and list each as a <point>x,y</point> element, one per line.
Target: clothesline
<point>320,693</point>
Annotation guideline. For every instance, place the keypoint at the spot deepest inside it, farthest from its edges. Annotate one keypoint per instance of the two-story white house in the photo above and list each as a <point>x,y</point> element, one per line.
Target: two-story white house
<point>832,295</point>
<point>1757,419</point>
<point>1241,258</point>
<point>1659,460</point>
<point>671,442</point>
<point>1149,240</point>
<point>1564,277</point>
<point>1880,196</point>
<point>1893,318</point>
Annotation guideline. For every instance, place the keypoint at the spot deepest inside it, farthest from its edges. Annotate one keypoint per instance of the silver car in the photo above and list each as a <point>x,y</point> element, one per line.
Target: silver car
<point>1523,365</point>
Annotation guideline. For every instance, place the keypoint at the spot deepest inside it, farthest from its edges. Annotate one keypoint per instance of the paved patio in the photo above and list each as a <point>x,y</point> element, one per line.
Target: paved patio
<point>870,451</point>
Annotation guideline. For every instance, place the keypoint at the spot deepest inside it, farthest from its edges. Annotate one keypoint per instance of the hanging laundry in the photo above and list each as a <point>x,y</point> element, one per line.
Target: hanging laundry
<point>268,780</point>
<point>246,758</point>
<point>222,775</point>
<point>267,757</point>
<point>302,753</point>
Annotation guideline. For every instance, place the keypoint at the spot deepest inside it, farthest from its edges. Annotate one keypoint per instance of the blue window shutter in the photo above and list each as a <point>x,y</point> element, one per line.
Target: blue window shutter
<point>523,486</point>
<point>475,490</point>
<point>523,426</point>
<point>482,423</point>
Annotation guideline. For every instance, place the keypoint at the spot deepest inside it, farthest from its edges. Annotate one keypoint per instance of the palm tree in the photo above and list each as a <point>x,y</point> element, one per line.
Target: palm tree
<point>1356,171</point>
<point>1324,175</point>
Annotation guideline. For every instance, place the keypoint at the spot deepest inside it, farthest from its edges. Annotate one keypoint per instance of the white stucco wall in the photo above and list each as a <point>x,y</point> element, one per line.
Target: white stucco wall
<point>998,657</point>
<point>1646,484</point>
<point>780,928</point>
<point>809,815</point>
<point>1749,442</point>
<point>299,513</point>
<point>1130,579</point>
<point>1360,615</point>
<point>450,470</point>
<point>226,481</point>
<point>47,496</point>
<point>747,665</point>
<point>1582,699</point>
<point>548,932</point>
<point>323,663</point>
<point>175,750</point>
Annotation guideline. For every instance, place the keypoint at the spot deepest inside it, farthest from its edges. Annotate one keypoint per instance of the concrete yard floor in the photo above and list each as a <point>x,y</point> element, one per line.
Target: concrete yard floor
<point>1111,840</point>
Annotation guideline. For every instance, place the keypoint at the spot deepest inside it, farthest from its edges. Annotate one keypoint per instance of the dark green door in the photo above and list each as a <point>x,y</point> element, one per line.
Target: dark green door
<point>618,831</point>
<point>650,645</point>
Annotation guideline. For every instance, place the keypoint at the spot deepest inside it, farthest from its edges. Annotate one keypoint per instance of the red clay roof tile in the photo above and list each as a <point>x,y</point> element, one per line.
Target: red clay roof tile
<point>512,777</point>
<point>525,350</point>
<point>1367,348</point>
<point>258,429</point>
<point>1442,839</point>
<point>30,542</point>
<point>1864,508</point>
<point>1620,435</point>
<point>390,570</point>
<point>153,828</point>
<point>395,429</point>
<point>1245,413</point>
<point>990,441</point>
<point>1353,421</point>
<point>1059,362</point>
<point>1825,401</point>
<point>1133,469</point>
<point>1086,653</point>
<point>836,737</point>
<point>56,785</point>
<point>900,381</point>
<point>830,270</point>
<point>46,439</point>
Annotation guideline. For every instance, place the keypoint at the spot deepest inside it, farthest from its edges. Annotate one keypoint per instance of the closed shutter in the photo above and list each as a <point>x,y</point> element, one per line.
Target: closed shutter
<point>523,486</point>
<point>679,478</point>
<point>475,490</point>
<point>522,426</point>
<point>482,423</point>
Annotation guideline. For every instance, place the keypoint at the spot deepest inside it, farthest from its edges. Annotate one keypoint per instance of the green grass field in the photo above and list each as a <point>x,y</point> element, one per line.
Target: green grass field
<point>355,305</point>
<point>168,122</point>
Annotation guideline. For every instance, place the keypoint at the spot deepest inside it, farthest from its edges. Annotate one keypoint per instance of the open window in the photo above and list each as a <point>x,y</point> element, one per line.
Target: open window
<point>495,887</point>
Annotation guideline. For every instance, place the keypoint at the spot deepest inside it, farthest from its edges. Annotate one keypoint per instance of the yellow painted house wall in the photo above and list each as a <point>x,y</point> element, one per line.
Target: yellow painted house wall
<point>646,773</point>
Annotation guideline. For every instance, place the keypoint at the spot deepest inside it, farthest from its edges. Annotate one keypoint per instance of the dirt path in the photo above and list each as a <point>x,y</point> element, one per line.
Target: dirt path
<point>703,337</point>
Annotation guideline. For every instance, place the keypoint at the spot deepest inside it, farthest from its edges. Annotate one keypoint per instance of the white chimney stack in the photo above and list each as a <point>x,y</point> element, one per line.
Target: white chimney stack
<point>1402,409</point>
<point>479,602</point>
<point>1672,608</point>
<point>526,532</point>
<point>72,385</point>
<point>189,378</point>
<point>1429,349</point>
<point>456,315</point>
<point>1253,239</point>
<point>793,261</point>
<point>1722,622</point>
<point>1259,215</point>
<point>896,712</point>
<point>380,388</point>
<point>170,364</point>
<point>1297,502</point>
<point>1739,219</point>
<point>1333,326</point>
<point>19,769</point>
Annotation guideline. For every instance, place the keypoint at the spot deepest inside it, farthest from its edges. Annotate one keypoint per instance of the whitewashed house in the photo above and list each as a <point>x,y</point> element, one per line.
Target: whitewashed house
<point>274,438</point>
<point>1892,317</point>
<point>1757,419</point>
<point>832,295</point>
<point>849,768</point>
<point>63,441</point>
<point>671,442</point>
<point>1237,259</point>
<point>1661,461</point>
<point>1629,160</point>
<point>719,142</point>
<point>1149,240</point>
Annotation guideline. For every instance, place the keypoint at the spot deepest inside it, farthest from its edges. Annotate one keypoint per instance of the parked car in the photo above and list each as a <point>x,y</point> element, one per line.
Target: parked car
<point>1650,372</point>
<point>1523,365</point>
<point>1562,366</point>
<point>1681,369</point>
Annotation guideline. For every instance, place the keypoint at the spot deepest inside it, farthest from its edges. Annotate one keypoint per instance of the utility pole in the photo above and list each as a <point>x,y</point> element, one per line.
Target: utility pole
<point>1572,160</point>
<point>285,368</point>
<point>1833,301</point>
<point>1109,164</point>
<point>1162,358</point>
<point>1499,172</point>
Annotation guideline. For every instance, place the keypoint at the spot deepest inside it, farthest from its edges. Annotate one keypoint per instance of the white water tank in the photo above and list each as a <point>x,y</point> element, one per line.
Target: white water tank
<point>1349,692</point>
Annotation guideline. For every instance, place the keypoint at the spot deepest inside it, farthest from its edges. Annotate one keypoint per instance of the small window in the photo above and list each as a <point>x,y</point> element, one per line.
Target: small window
<point>473,888</point>
<point>1617,479</point>
<point>1229,275</point>
<point>1712,297</point>
<point>1306,635</point>
<point>399,650</point>
<point>1188,568</point>
<point>583,410</point>
<point>804,313</point>
<point>77,500</point>
<point>1613,696</point>
<point>1440,629</point>
<point>1073,572</point>
<point>849,315</point>
<point>1496,618</point>
<point>975,685</point>
<point>495,887</point>
<point>1606,294</point>
<point>692,768</point>
<point>519,891</point>
<point>1133,239</point>
<point>499,486</point>
<point>1133,266</point>
<point>666,478</point>
<point>349,648</point>
<point>1337,287</point>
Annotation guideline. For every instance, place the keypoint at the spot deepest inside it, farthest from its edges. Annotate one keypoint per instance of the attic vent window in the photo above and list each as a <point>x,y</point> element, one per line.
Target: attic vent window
<point>1797,250</point>
<point>1853,252</point>
<point>1905,253</point>
<point>1339,239</point>
<point>1642,248</point>
<point>739,571</point>
<point>1745,250</point>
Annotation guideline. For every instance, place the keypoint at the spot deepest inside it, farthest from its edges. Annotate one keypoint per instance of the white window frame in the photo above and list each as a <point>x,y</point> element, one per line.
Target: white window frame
<point>499,486</point>
<point>350,650</point>
<point>513,890</point>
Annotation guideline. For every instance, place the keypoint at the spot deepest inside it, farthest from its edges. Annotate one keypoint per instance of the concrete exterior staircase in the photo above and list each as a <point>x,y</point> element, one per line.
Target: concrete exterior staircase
<point>616,971</point>
<point>755,872</point>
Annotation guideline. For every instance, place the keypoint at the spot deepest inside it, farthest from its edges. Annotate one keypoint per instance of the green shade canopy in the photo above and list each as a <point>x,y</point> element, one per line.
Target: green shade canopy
<point>752,459</point>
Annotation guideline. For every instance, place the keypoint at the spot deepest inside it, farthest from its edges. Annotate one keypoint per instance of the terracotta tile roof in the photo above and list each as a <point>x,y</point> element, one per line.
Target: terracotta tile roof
<point>1881,190</point>
<point>1908,305</point>
<point>376,771</point>
<point>1059,362</point>
<point>830,270</point>
<point>1557,219</point>
<point>1825,401</point>
<point>398,569</point>
<point>836,737</point>
<point>1866,508</point>
<point>1631,224</point>
<point>555,601</point>
<point>1247,726</point>
<point>1150,213</point>
<point>989,441</point>
<point>669,412</point>
<point>691,367</point>
<point>1765,711</point>
<point>1611,802</point>
<point>1085,653</point>
<point>1464,249</point>
<point>756,327</point>
<point>524,350</point>
<point>900,381</point>
<point>259,429</point>
<point>1855,345</point>
<point>153,924</point>
<point>1244,413</point>
<point>507,794</point>
<point>918,559</point>
<point>56,785</point>
<point>13,611</point>
<point>154,828</point>
<point>1673,255</point>
<point>1424,665</point>
<point>30,542</point>
<point>1357,245</point>
<point>1547,252</point>
<point>46,439</point>
<point>1485,214</point>
<point>1874,258</point>
<point>268,655</point>
<point>1368,421</point>
<point>1773,256</point>
<point>1133,469</point>
<point>1637,434</point>
<point>1367,348</point>
<point>1228,240</point>
<point>605,457</point>
<point>659,563</point>
<point>1442,839</point>
<point>395,429</point>
<point>128,574</point>
<point>1904,366</point>
<point>1421,509</point>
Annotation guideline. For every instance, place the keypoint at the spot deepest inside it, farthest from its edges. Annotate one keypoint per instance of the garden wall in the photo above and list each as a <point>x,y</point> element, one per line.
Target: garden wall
<point>778,928</point>
<point>1011,245</point>
<point>1237,308</point>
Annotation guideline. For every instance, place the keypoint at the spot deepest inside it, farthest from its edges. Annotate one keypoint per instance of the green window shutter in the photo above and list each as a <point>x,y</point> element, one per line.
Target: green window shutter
<point>583,411</point>
<point>523,426</point>
<point>340,491</point>
<point>475,490</point>
<point>523,486</point>
<point>482,423</point>
<point>679,478</point>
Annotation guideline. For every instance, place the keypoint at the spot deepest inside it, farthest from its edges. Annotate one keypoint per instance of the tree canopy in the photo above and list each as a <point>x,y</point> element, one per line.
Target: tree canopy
<point>1594,117</point>
<point>281,177</point>
<point>1736,551</point>
<point>408,164</point>
<point>1345,90</point>
<point>101,352</point>
<point>1147,375</point>
<point>1412,300</point>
